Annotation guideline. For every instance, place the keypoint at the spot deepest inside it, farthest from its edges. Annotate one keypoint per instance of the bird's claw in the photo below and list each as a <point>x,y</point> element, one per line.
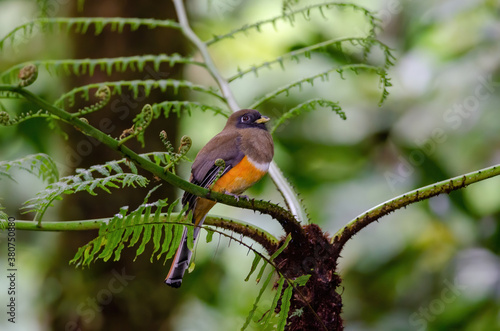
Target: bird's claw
<point>238,197</point>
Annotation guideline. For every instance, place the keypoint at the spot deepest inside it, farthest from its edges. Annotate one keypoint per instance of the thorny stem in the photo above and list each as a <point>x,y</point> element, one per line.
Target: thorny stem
<point>423,193</point>
<point>280,181</point>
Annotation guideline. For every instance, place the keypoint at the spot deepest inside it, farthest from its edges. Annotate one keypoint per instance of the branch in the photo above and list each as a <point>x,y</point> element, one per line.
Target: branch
<point>426,192</point>
<point>283,216</point>
<point>264,238</point>
<point>280,181</point>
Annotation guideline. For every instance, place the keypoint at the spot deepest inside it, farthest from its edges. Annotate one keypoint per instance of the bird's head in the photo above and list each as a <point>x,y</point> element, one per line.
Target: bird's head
<point>247,118</point>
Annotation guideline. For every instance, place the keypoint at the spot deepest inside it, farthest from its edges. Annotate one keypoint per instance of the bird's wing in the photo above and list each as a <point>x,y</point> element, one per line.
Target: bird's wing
<point>225,146</point>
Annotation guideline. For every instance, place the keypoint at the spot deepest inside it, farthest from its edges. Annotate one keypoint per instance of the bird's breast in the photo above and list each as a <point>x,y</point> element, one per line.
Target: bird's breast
<point>246,173</point>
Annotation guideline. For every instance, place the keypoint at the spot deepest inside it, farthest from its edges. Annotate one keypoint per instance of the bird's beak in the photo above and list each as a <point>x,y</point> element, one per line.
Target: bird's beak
<point>262,119</point>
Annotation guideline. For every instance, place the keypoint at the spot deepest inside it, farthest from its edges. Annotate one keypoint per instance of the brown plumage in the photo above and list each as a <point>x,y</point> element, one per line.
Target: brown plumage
<point>247,149</point>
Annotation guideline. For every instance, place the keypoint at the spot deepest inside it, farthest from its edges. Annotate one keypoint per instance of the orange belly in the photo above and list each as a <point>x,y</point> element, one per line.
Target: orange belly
<point>235,181</point>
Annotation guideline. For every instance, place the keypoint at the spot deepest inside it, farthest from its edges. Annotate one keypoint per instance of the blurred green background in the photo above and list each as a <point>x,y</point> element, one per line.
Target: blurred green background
<point>432,266</point>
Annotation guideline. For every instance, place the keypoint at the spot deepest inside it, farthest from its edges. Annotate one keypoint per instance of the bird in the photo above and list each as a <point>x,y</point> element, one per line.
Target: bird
<point>247,148</point>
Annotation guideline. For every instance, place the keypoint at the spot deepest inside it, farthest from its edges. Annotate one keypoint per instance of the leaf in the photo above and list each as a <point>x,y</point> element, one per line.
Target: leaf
<point>140,224</point>
<point>285,307</point>
<point>40,165</point>
<point>306,107</point>
<point>84,180</point>
<point>255,263</point>
<point>255,305</point>
<point>80,25</point>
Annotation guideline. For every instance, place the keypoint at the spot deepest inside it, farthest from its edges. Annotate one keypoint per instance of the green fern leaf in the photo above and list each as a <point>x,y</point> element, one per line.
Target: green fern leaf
<point>210,235</point>
<point>255,263</point>
<point>276,298</point>
<point>285,307</point>
<point>365,42</point>
<point>256,303</point>
<point>157,234</point>
<point>288,17</point>
<point>148,230</point>
<point>116,87</point>
<point>81,25</point>
<point>306,107</point>
<point>39,165</point>
<point>84,180</point>
<point>323,76</point>
<point>177,107</point>
<point>122,228</point>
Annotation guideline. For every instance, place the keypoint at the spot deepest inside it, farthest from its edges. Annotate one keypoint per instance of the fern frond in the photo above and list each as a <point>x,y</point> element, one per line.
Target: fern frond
<point>385,83</point>
<point>364,42</point>
<point>177,107</point>
<point>82,24</point>
<point>107,65</point>
<point>307,106</point>
<point>6,120</point>
<point>138,226</point>
<point>276,298</point>
<point>40,165</point>
<point>324,76</point>
<point>256,303</point>
<point>266,282</point>
<point>134,86</point>
<point>306,12</point>
<point>86,180</point>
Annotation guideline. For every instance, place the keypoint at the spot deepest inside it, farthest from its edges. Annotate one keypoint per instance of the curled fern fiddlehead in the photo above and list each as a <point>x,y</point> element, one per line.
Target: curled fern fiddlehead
<point>166,142</point>
<point>186,143</point>
<point>103,93</point>
<point>27,75</point>
<point>141,122</point>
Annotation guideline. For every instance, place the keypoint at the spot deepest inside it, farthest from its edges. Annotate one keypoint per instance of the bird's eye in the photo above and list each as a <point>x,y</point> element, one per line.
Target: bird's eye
<point>245,118</point>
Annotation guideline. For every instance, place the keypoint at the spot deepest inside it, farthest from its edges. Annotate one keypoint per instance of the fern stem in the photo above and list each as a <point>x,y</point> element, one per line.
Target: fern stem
<point>279,180</point>
<point>423,193</point>
<point>264,238</point>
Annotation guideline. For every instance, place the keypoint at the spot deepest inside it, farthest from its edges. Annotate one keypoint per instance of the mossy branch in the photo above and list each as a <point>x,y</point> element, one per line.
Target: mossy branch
<point>423,193</point>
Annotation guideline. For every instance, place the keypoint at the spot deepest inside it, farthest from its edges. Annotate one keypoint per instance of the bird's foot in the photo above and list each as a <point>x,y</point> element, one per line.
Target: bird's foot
<point>238,197</point>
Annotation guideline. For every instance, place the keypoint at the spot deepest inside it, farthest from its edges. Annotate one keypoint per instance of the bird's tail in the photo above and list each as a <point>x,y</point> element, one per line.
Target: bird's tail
<point>181,260</point>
